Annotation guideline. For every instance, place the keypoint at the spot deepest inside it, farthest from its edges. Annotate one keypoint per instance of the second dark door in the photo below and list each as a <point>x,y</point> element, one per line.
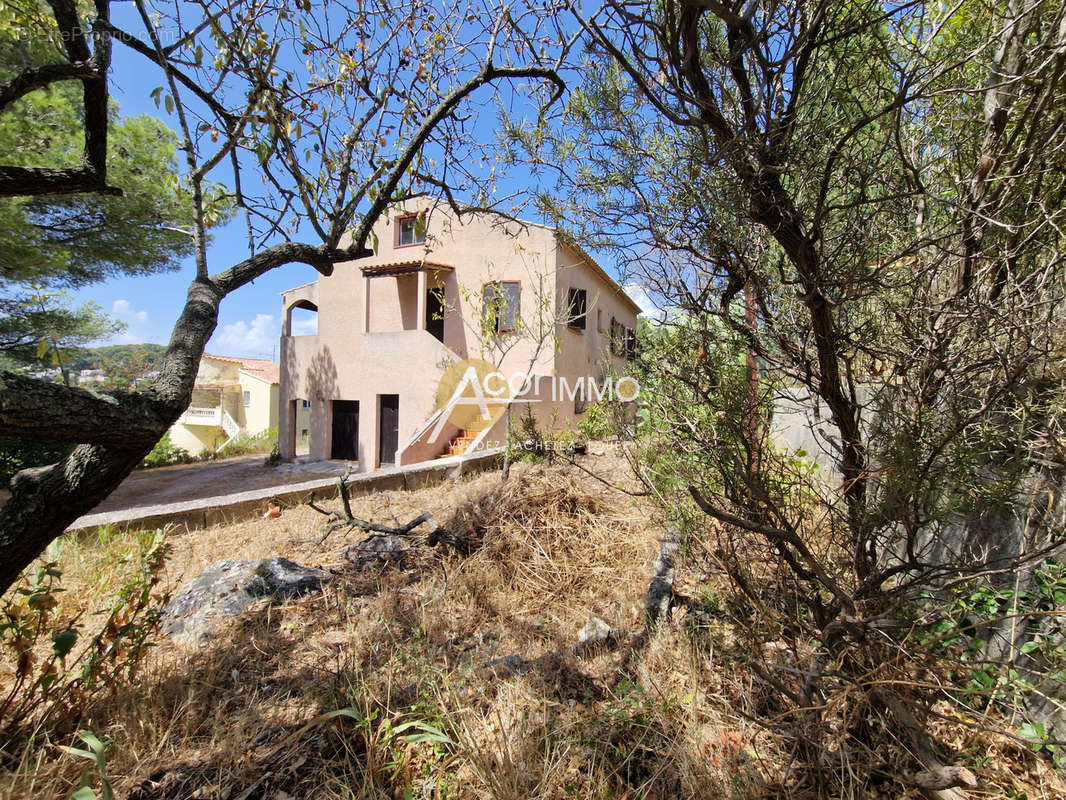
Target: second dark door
<point>389,428</point>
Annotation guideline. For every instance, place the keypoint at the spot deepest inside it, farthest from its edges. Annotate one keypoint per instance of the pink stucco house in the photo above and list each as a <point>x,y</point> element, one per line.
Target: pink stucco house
<point>439,293</point>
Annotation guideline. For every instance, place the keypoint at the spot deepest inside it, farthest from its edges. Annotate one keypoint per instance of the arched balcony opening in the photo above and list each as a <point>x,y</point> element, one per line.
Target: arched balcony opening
<point>301,319</point>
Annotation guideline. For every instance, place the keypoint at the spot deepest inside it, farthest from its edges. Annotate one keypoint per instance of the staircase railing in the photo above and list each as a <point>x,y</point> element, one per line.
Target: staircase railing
<point>230,427</point>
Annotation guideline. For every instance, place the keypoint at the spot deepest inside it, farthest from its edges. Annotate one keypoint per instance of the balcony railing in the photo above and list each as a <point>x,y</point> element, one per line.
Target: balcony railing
<point>202,416</point>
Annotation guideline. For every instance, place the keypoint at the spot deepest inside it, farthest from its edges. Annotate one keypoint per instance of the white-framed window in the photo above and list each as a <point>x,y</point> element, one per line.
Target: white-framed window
<point>410,230</point>
<point>247,398</point>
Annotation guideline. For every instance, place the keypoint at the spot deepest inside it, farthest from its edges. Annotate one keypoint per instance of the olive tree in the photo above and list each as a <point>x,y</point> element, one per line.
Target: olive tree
<point>884,185</point>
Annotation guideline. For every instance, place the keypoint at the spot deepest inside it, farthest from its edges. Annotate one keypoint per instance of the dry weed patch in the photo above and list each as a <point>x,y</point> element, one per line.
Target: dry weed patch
<point>399,680</point>
<point>449,676</point>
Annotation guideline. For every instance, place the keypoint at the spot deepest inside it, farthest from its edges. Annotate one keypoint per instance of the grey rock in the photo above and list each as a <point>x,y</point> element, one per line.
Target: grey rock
<point>596,631</point>
<point>513,664</point>
<point>378,549</point>
<point>227,588</point>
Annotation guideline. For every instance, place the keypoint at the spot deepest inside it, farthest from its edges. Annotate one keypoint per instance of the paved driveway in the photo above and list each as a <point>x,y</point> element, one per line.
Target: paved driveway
<point>152,487</point>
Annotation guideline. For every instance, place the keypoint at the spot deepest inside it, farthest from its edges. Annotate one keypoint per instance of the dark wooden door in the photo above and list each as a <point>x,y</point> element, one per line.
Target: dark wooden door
<point>389,428</point>
<point>345,430</point>
<point>435,313</point>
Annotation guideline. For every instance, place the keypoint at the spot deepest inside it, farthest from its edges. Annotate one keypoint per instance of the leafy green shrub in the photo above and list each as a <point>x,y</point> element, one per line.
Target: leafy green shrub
<point>165,453</point>
<point>534,446</point>
<point>1032,613</point>
<point>246,444</point>
<point>53,681</point>
<point>18,454</point>
<point>273,457</point>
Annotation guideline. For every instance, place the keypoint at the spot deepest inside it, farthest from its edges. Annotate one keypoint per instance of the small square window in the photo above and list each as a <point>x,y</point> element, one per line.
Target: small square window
<point>410,230</point>
<point>576,308</point>
<point>305,404</point>
<point>247,398</point>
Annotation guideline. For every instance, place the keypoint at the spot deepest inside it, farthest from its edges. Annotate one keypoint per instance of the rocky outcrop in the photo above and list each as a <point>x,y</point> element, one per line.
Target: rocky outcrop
<point>227,588</point>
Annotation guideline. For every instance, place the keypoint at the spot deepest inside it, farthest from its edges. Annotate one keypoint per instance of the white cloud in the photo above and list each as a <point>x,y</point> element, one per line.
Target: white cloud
<point>307,326</point>
<point>641,297</point>
<point>649,308</point>
<point>137,329</point>
<point>255,339</point>
<point>124,310</point>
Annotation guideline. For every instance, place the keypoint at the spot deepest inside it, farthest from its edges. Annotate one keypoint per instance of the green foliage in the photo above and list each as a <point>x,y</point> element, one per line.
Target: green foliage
<point>598,421</point>
<point>692,427</point>
<point>274,456</point>
<point>39,327</point>
<point>71,241</point>
<point>97,754</point>
<point>247,444</point>
<point>627,733</point>
<point>81,239</point>
<point>129,361</point>
<point>1034,610</point>
<point>166,454</point>
<point>1032,614</point>
<point>54,680</point>
<point>535,446</point>
<point>18,454</point>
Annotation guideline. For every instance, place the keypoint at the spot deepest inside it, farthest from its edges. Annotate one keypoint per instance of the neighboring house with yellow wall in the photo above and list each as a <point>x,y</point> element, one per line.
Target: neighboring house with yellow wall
<point>231,397</point>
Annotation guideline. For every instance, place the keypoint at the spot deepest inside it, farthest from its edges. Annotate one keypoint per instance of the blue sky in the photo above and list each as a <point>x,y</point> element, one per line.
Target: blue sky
<point>249,321</point>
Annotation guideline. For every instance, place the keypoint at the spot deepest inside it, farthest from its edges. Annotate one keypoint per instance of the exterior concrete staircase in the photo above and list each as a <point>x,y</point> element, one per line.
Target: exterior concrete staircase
<point>460,444</point>
<point>230,427</point>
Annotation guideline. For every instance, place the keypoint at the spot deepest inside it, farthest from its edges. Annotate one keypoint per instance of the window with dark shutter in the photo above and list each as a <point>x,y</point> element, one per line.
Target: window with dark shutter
<point>576,303</point>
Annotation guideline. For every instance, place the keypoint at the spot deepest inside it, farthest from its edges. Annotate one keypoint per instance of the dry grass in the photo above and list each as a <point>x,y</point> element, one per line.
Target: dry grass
<point>409,652</point>
<point>418,659</point>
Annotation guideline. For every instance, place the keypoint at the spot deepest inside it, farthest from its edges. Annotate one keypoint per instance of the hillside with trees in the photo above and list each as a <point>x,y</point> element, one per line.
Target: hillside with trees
<point>128,361</point>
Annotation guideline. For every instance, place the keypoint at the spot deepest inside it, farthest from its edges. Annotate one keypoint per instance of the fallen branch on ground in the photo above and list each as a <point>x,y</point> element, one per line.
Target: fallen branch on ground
<point>348,521</point>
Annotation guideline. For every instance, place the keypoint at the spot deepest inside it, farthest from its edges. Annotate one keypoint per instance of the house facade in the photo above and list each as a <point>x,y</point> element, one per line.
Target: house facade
<point>231,397</point>
<point>440,295</point>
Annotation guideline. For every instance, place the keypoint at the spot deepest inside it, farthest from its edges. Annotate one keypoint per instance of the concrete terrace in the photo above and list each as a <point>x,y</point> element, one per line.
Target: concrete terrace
<point>131,508</point>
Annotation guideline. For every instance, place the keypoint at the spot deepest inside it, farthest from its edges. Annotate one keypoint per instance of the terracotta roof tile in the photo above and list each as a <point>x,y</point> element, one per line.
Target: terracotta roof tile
<point>259,367</point>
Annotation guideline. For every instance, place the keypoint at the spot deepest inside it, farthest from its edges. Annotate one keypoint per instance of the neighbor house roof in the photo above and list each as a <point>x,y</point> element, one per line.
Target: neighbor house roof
<point>256,367</point>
